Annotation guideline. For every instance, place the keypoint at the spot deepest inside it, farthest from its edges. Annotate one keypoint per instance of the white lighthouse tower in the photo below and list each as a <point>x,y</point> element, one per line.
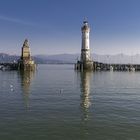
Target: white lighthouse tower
<point>85,62</point>
<point>85,50</point>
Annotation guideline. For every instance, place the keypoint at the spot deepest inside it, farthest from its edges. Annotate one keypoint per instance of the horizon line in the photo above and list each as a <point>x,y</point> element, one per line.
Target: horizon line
<point>12,54</point>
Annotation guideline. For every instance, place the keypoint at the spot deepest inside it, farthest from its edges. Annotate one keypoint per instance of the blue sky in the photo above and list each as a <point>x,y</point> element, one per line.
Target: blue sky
<point>54,26</point>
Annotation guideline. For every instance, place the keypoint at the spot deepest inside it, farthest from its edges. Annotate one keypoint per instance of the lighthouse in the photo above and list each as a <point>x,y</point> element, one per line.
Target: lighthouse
<point>85,62</point>
<point>85,50</point>
<point>26,62</point>
<point>25,52</point>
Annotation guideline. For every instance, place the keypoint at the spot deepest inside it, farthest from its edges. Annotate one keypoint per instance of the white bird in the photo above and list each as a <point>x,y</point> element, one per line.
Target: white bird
<point>11,86</point>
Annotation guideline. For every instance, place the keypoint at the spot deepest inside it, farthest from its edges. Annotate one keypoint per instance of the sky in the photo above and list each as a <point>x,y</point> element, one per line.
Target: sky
<point>54,26</point>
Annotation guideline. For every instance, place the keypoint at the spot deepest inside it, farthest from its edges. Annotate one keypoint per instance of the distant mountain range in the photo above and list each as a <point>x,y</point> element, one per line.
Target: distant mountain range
<point>72,58</point>
<point>8,58</point>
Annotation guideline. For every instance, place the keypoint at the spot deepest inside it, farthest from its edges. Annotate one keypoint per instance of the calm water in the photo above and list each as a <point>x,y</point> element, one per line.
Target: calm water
<point>58,103</point>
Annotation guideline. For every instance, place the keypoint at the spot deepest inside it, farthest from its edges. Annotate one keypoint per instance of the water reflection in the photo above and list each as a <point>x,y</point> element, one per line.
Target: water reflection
<point>26,79</point>
<point>85,79</point>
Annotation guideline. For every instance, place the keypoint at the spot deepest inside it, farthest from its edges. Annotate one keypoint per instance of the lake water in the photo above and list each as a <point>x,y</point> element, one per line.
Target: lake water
<point>58,103</point>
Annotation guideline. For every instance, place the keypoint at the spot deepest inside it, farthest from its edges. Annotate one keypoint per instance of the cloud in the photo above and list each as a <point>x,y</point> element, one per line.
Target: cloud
<point>15,20</point>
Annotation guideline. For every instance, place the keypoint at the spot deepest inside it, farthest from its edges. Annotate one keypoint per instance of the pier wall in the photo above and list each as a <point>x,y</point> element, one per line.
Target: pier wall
<point>84,66</point>
<point>116,67</point>
<point>17,66</point>
<point>8,66</point>
<point>26,67</point>
<point>98,66</point>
